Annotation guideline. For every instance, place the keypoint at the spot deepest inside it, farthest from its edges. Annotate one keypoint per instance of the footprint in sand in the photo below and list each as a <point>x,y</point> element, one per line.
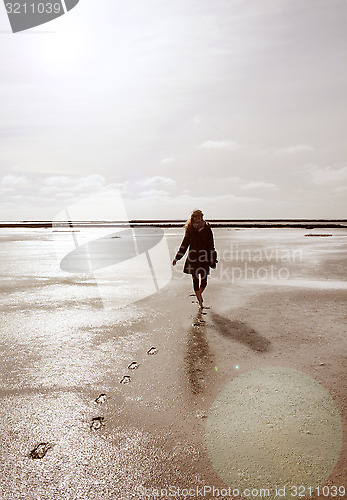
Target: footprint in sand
<point>40,450</point>
<point>133,365</point>
<point>96,423</point>
<point>152,350</point>
<point>201,414</point>
<point>199,322</point>
<point>101,399</point>
<point>125,380</point>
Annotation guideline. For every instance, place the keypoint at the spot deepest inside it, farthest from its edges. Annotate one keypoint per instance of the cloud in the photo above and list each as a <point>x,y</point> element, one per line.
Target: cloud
<point>218,200</point>
<point>167,161</point>
<point>42,191</point>
<point>65,195</point>
<point>91,183</point>
<point>161,205</point>
<point>220,145</point>
<point>154,193</point>
<point>155,181</point>
<point>63,186</point>
<point>14,181</point>
<point>297,148</point>
<point>340,190</point>
<point>260,185</point>
<point>59,180</point>
<point>327,175</point>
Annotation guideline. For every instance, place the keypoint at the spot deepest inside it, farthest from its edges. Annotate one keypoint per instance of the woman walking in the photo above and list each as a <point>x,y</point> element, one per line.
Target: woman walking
<point>198,238</point>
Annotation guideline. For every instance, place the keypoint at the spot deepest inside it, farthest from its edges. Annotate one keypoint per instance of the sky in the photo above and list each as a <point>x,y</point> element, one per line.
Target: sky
<point>234,107</point>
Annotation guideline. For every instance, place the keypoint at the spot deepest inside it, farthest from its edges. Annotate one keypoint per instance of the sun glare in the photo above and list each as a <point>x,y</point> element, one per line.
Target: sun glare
<point>62,51</point>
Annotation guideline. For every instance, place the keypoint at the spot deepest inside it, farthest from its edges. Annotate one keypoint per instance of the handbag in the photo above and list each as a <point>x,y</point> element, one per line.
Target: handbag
<point>214,260</point>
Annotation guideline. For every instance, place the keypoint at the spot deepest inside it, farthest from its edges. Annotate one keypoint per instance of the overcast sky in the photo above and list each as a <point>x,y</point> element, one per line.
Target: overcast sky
<point>236,107</point>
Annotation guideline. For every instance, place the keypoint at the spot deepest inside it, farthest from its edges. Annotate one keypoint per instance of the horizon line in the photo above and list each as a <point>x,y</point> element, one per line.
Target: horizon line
<point>113,221</point>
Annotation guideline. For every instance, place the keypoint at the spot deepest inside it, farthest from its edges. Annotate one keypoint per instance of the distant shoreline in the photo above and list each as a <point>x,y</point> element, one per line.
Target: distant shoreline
<point>236,223</point>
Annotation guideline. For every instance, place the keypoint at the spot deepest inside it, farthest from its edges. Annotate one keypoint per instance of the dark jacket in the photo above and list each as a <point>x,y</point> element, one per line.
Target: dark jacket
<point>201,250</point>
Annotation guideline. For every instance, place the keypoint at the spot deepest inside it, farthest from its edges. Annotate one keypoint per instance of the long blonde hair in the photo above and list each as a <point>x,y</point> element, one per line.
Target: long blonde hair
<point>189,222</point>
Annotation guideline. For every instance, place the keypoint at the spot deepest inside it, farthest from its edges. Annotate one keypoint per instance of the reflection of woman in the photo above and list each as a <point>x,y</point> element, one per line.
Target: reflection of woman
<point>201,255</point>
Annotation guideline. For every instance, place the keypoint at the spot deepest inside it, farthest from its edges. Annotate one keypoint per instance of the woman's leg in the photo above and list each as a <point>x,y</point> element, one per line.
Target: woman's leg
<point>196,287</point>
<point>203,285</point>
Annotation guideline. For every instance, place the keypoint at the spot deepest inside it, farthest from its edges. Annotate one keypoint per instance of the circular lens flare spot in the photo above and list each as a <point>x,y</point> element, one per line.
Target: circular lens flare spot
<point>273,427</point>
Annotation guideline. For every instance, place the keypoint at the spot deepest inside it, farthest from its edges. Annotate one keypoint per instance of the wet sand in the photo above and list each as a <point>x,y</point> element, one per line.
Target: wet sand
<point>62,350</point>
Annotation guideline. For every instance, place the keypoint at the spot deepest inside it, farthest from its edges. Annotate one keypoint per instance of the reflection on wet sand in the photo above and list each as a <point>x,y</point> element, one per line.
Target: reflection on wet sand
<point>199,357</point>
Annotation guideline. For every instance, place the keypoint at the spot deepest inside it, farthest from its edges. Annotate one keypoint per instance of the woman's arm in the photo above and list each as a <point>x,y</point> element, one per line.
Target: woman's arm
<point>212,251</point>
<point>182,250</point>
